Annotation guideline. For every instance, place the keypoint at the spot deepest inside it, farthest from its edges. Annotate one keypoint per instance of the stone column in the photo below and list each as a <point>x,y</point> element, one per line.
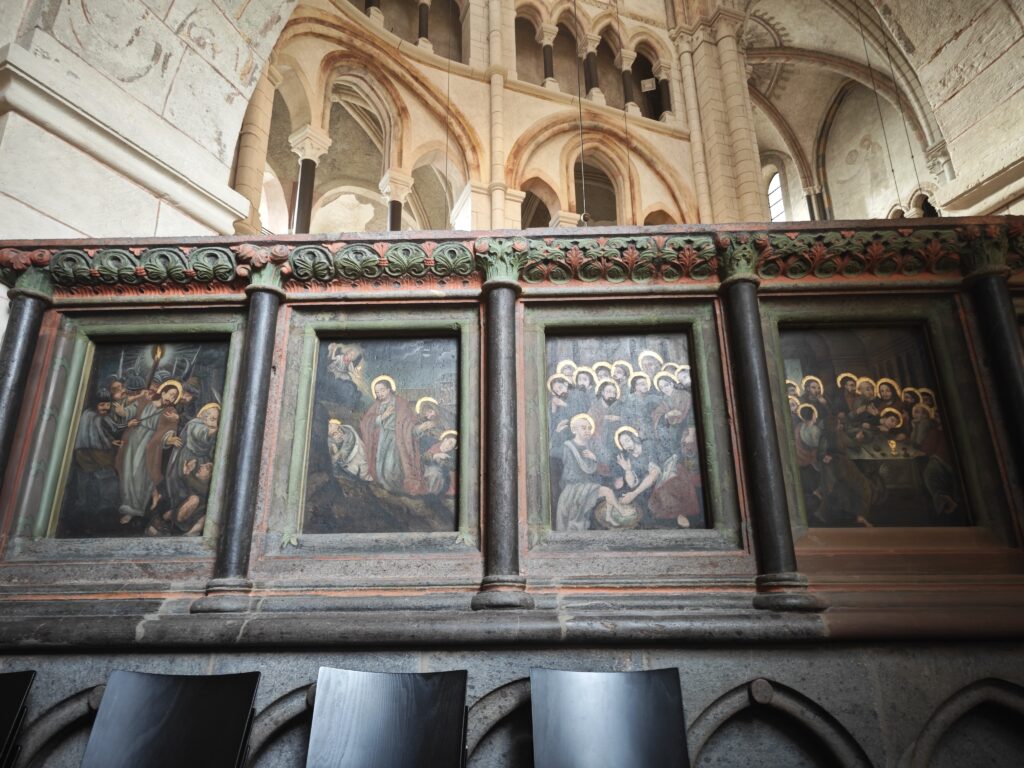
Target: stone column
<point>503,585</point>
<point>424,26</point>
<point>741,129</point>
<point>374,12</point>
<point>546,37</point>
<point>395,187</point>
<point>663,73</point>
<point>779,585</point>
<point>588,53</point>
<point>228,589</point>
<point>496,72</point>
<point>985,272</point>
<point>30,295</point>
<point>252,149</point>
<point>624,61</point>
<point>700,168</point>
<point>309,143</point>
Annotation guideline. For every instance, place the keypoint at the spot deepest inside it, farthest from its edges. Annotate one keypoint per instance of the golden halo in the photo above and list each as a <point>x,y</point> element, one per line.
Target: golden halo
<point>625,364</point>
<point>334,421</point>
<point>584,417</point>
<point>892,411</point>
<point>664,375</point>
<point>557,377</point>
<point>800,411</point>
<point>171,384</point>
<point>671,367</point>
<point>423,401</point>
<point>845,375</point>
<point>558,367</point>
<point>914,390</point>
<point>862,379</point>
<point>649,353</point>
<point>892,383</point>
<point>795,386</point>
<point>379,379</point>
<point>583,369</point>
<point>602,382</point>
<point>927,409</point>
<point>446,433</point>
<point>602,364</point>
<point>809,377</point>
<point>639,375</point>
<point>620,430</point>
<point>923,390</point>
<point>793,399</point>
<point>208,407</point>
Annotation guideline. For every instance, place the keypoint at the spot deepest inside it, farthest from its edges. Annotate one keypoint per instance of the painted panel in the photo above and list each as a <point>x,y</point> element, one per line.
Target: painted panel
<point>868,429</point>
<point>383,450</point>
<point>623,447</point>
<point>144,448</point>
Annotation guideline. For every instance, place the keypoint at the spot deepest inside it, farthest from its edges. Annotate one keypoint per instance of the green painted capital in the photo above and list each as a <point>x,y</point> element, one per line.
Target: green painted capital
<point>14,262</point>
<point>737,257</point>
<point>502,260</point>
<point>266,267</point>
<point>34,281</point>
<point>986,250</point>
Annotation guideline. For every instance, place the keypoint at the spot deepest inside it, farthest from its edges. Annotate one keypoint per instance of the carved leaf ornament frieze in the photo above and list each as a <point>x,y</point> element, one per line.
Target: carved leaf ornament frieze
<point>774,255</point>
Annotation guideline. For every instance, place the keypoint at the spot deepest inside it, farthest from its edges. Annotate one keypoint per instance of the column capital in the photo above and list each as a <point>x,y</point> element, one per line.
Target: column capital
<point>624,60</point>
<point>588,44</point>
<point>737,257</point>
<point>726,27</point>
<point>986,249</point>
<point>310,143</point>
<point>662,71</point>
<point>396,185</point>
<point>547,33</point>
<point>501,259</point>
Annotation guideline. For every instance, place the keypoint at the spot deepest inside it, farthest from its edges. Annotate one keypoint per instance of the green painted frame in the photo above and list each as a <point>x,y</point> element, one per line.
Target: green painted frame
<point>317,325</point>
<point>697,319</point>
<point>937,317</point>
<point>81,331</point>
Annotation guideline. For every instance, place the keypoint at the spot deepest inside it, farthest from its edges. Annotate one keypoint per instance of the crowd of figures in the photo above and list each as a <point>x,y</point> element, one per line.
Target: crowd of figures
<point>869,451</point>
<point>144,450</point>
<point>623,448</point>
<point>393,458</point>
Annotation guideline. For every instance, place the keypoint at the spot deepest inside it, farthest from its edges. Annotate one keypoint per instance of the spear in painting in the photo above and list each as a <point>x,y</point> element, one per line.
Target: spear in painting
<point>158,352</point>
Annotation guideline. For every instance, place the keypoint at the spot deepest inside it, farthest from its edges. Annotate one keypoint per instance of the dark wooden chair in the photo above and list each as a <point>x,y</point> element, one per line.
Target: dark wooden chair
<point>388,720</point>
<point>172,721</point>
<point>608,719</point>
<point>14,688</point>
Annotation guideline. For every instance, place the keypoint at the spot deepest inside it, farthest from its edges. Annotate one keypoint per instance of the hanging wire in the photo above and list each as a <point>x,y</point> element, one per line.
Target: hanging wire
<point>625,121</point>
<point>584,216</point>
<point>899,100</point>
<point>878,104</point>
<point>448,108</point>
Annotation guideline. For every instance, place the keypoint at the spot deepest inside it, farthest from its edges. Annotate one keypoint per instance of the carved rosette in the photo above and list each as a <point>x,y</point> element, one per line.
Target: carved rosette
<point>848,253</point>
<point>375,262</point>
<point>986,250</point>
<point>621,259</point>
<point>738,255</point>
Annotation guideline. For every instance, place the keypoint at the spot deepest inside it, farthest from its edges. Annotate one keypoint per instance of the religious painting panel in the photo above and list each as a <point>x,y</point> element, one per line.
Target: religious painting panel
<point>868,428</point>
<point>145,441</point>
<point>383,451</point>
<point>622,443</point>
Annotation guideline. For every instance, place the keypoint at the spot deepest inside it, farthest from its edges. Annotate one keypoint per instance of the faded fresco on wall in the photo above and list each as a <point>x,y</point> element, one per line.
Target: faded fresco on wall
<point>143,453</point>
<point>869,430</point>
<point>383,450</point>
<point>622,434</point>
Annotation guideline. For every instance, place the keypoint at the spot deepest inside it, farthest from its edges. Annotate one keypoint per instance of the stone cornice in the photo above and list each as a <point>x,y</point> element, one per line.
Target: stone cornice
<point>847,254</point>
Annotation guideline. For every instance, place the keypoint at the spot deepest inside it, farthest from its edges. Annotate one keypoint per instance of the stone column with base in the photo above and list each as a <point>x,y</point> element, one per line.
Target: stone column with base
<point>503,585</point>
<point>663,74</point>
<point>779,585</point>
<point>624,61</point>
<point>546,37</point>
<point>31,291</point>
<point>230,586</point>
<point>396,186</point>
<point>310,144</point>
<point>588,52</point>
<point>985,276</point>
<point>423,38</point>
<point>700,168</point>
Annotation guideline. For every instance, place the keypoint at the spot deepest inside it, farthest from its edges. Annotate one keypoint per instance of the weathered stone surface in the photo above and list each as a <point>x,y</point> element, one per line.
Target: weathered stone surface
<point>213,36</point>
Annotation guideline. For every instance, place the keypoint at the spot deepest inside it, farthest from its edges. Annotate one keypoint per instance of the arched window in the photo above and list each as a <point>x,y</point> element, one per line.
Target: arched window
<point>776,205</point>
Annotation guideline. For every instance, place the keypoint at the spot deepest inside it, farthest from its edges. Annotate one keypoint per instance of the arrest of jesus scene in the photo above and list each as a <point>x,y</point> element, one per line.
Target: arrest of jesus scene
<point>144,449</point>
<point>622,434</point>
<point>868,431</point>
<point>383,450</point>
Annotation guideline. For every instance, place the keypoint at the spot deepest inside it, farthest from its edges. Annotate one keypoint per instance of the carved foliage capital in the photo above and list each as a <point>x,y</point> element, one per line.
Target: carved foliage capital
<point>737,256</point>
<point>14,262</point>
<point>501,259</point>
<point>986,250</point>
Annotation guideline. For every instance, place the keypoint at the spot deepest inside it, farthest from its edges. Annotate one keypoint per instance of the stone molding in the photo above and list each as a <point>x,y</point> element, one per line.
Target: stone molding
<point>772,254</point>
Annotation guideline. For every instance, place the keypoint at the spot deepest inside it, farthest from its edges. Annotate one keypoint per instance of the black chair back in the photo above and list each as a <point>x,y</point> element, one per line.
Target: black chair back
<point>172,721</point>
<point>388,720</point>
<point>13,693</point>
<point>608,719</point>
